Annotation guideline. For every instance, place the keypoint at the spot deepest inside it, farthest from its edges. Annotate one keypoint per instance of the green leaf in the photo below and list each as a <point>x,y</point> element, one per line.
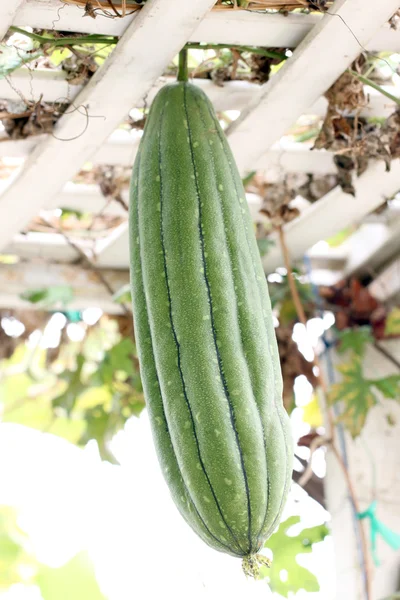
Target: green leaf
<point>388,386</point>
<point>46,297</point>
<point>392,325</point>
<point>312,413</point>
<point>123,295</point>
<point>355,394</point>
<point>307,135</point>
<point>119,358</point>
<point>100,426</point>
<point>281,298</point>
<point>12,553</point>
<point>248,178</point>
<point>73,581</point>
<point>340,237</point>
<point>75,386</point>
<point>13,56</point>
<point>355,340</point>
<point>58,55</point>
<point>264,245</point>
<point>285,549</point>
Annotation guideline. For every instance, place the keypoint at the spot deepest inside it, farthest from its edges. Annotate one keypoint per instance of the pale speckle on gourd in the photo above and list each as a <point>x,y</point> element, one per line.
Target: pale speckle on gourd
<point>159,207</point>
<point>206,317</point>
<point>228,481</point>
<point>195,144</point>
<point>169,382</point>
<point>157,178</point>
<point>220,187</point>
<point>187,423</point>
<point>198,417</point>
<point>217,432</point>
<point>206,499</point>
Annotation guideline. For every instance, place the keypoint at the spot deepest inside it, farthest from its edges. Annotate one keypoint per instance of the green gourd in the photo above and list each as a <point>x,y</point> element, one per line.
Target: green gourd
<point>204,330</point>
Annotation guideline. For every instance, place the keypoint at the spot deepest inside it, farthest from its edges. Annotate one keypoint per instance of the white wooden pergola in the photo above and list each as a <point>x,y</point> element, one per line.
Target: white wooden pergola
<point>150,39</point>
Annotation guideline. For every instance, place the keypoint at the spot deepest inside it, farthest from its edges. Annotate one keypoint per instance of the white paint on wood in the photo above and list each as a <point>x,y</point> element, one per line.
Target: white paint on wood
<point>305,77</point>
<point>47,246</point>
<point>51,84</point>
<point>232,95</point>
<point>139,59</point>
<point>386,286</point>
<point>87,198</point>
<point>87,289</point>
<point>375,451</point>
<point>335,211</point>
<point>227,27</point>
<point>372,246</point>
<point>8,13</point>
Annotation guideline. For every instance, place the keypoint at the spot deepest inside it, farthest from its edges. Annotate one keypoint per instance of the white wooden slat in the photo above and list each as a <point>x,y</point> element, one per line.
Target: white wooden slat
<point>139,59</point>
<point>46,246</point>
<point>233,95</point>
<point>121,148</point>
<point>113,251</point>
<point>51,84</point>
<point>86,199</point>
<point>8,13</point>
<point>304,78</point>
<point>373,245</point>
<point>386,287</point>
<point>87,289</point>
<point>336,211</point>
<point>228,27</point>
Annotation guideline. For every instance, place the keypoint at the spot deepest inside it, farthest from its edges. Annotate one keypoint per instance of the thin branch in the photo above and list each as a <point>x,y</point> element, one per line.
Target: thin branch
<point>88,262</point>
<point>66,41</point>
<point>308,473</point>
<point>387,355</point>
<point>252,49</point>
<point>378,88</point>
<point>352,494</point>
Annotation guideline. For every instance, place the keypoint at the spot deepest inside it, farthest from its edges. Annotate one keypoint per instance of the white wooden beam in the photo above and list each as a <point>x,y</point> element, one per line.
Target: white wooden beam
<point>8,14</point>
<point>139,59</point>
<point>336,211</point>
<point>47,246</point>
<point>304,78</point>
<point>372,247</point>
<point>228,27</point>
<point>121,148</point>
<point>51,84</point>
<point>233,95</point>
<point>87,198</point>
<point>87,289</point>
<point>386,286</point>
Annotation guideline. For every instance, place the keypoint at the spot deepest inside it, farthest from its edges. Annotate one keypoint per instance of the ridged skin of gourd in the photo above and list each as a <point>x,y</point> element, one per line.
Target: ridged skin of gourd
<point>203,322</point>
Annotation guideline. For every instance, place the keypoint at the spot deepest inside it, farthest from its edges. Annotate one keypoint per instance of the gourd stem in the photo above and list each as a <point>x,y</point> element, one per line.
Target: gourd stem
<point>253,563</point>
<point>183,73</point>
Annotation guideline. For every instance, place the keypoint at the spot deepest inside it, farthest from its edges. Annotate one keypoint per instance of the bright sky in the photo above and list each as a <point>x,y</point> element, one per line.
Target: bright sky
<point>123,515</point>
